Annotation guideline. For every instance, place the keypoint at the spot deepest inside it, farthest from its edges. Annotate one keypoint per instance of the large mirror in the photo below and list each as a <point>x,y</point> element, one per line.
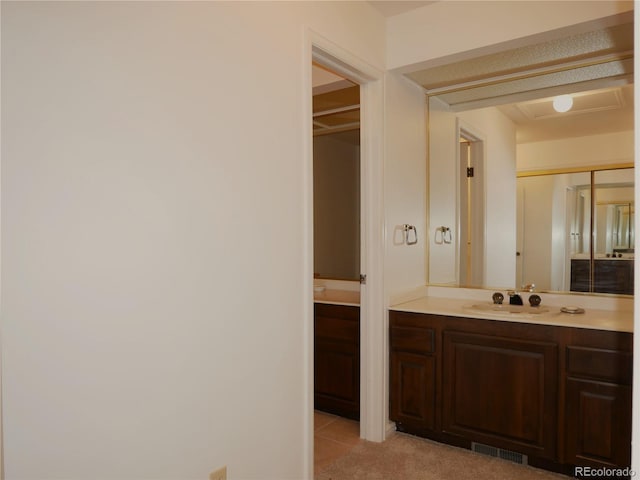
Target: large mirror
<point>576,231</point>
<point>557,205</point>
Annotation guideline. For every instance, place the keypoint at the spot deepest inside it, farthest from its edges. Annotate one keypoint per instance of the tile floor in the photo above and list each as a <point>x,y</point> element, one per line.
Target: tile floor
<point>333,437</point>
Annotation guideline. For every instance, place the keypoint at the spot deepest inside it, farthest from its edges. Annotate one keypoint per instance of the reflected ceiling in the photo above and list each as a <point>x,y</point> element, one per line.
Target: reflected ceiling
<point>581,62</point>
<point>594,112</point>
<point>595,67</point>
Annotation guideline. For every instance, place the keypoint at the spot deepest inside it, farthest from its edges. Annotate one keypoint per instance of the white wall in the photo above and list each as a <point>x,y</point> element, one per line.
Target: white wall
<point>443,151</point>
<point>591,150</point>
<point>155,281</point>
<point>416,39</point>
<point>405,184</point>
<point>336,207</point>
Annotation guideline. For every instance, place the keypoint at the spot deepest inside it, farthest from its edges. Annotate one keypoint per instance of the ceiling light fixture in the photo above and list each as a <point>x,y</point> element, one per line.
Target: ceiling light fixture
<point>562,103</point>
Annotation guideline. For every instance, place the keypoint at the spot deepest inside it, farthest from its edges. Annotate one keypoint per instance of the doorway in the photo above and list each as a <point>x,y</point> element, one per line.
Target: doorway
<point>373,391</point>
<point>336,177</point>
<point>336,254</point>
<point>471,239</point>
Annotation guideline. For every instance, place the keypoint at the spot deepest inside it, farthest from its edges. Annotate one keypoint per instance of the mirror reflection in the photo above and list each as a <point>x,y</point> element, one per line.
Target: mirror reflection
<point>557,207</point>
<point>559,215</point>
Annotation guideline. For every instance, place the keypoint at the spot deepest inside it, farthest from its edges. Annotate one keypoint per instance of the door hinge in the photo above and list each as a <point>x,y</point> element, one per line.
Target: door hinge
<point>469,172</point>
<point>363,279</point>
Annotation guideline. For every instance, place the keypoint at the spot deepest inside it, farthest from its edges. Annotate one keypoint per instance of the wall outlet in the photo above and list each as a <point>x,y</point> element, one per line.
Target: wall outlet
<point>220,474</point>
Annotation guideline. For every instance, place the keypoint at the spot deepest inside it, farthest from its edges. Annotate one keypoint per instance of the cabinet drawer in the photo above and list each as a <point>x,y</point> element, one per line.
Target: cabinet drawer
<point>337,311</point>
<point>337,329</point>
<point>337,322</point>
<point>610,365</point>
<point>412,339</point>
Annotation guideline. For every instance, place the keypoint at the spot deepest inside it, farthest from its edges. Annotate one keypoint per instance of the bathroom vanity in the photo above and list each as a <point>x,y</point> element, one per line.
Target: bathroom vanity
<point>552,390</point>
<point>337,353</point>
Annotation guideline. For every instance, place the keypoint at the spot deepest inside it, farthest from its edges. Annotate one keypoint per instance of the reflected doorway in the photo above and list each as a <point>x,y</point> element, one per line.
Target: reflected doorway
<point>471,240</point>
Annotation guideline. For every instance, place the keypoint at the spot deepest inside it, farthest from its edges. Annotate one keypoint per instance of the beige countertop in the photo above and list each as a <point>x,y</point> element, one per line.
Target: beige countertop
<point>337,297</point>
<point>593,318</point>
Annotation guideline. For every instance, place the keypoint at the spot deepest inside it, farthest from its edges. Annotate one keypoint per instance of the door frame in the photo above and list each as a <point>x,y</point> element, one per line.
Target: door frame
<point>373,363</point>
<point>478,143</point>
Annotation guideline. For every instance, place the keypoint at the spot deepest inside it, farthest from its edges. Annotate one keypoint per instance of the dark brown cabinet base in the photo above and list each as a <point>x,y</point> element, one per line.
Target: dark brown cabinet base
<point>609,276</point>
<point>559,396</point>
<point>501,391</point>
<point>337,359</point>
<point>598,398</point>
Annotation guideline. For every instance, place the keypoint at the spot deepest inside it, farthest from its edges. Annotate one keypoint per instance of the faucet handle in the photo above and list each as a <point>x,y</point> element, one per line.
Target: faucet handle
<point>535,300</point>
<point>530,287</point>
<point>497,298</point>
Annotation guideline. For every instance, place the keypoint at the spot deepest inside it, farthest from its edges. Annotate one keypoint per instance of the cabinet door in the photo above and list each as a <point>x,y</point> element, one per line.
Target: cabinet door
<point>337,359</point>
<point>598,417</point>
<point>580,276</point>
<point>613,276</point>
<point>501,392</point>
<point>412,396</point>
<point>337,378</point>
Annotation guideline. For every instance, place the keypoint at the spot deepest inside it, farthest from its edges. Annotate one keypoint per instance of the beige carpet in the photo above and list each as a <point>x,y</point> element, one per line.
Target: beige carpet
<point>405,457</point>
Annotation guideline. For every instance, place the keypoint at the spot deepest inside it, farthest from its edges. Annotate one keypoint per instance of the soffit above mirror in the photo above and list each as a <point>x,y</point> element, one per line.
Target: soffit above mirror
<point>581,62</point>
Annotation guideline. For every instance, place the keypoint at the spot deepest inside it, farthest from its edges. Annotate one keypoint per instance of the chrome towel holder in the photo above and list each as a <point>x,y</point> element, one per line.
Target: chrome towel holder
<point>410,239</point>
<point>443,235</point>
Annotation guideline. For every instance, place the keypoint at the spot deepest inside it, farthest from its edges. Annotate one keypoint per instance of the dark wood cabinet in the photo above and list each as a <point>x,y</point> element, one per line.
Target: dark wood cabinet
<point>580,275</point>
<point>501,391</point>
<point>598,424</point>
<point>613,276</point>
<point>413,375</point>
<point>559,396</point>
<point>609,276</point>
<point>337,359</point>
<point>598,399</point>
<point>413,389</point>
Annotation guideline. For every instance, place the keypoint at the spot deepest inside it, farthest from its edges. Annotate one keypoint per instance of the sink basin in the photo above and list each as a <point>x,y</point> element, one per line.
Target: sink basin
<point>507,309</point>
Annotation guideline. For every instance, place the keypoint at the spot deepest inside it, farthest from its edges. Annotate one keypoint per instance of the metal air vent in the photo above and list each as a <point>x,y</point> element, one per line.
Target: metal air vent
<point>490,451</point>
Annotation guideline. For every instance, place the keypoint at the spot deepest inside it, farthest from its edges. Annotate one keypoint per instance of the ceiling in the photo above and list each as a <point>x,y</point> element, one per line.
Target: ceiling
<point>389,9</point>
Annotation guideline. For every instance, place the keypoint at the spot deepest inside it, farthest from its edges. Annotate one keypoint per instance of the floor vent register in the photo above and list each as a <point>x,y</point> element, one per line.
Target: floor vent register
<point>490,451</point>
